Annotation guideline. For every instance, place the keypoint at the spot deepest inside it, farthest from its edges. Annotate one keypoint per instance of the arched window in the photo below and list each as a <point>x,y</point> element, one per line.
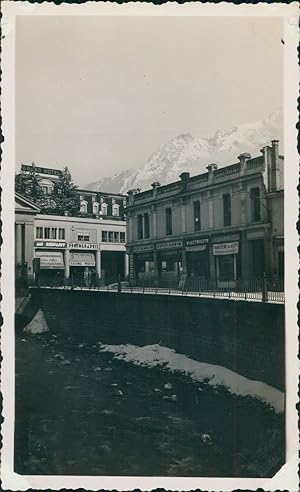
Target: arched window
<point>83,207</point>
<point>47,186</point>
<point>104,208</point>
<point>95,208</point>
<point>116,210</point>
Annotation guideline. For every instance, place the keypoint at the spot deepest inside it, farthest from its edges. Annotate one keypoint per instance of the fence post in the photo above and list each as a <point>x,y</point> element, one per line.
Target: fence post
<point>264,288</point>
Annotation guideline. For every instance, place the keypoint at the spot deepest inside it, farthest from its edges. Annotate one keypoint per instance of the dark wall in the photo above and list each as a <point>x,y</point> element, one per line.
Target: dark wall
<point>245,337</point>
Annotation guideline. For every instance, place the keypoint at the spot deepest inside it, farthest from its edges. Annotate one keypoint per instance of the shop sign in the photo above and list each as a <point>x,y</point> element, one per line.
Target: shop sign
<point>83,246</point>
<point>196,248</point>
<point>197,241</point>
<point>42,170</point>
<point>50,260</point>
<point>141,249</point>
<point>226,248</point>
<point>169,245</point>
<point>50,244</point>
<point>82,259</point>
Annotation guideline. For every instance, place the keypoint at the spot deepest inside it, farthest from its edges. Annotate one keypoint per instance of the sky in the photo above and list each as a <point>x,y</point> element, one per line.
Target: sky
<point>101,94</point>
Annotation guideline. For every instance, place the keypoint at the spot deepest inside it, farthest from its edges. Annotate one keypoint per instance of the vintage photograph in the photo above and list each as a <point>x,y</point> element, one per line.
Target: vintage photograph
<point>149,245</point>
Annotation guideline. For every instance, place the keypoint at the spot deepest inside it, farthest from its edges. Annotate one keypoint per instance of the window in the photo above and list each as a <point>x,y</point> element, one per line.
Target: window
<point>197,216</point>
<point>53,233</point>
<point>116,210</point>
<point>227,209</point>
<point>104,208</point>
<point>39,233</point>
<point>168,221</point>
<point>83,236</point>
<point>83,207</point>
<point>140,226</point>
<point>226,267</point>
<point>104,236</point>
<point>47,232</point>
<point>61,233</point>
<point>111,236</point>
<point>258,257</point>
<point>95,208</point>
<point>122,237</point>
<point>146,226</point>
<point>45,190</point>
<point>255,204</point>
<point>169,265</point>
<point>149,266</point>
<point>116,237</point>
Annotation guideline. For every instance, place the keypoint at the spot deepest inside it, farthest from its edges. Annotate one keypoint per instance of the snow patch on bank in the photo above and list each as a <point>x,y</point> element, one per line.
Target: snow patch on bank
<point>214,375</point>
<point>38,324</point>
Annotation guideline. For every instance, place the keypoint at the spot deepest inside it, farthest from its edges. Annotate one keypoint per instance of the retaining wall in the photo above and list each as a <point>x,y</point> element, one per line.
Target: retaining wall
<point>247,337</point>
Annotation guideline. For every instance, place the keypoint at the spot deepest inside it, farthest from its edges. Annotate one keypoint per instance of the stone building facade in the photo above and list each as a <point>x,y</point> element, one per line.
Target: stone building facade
<point>221,226</point>
<point>80,251</point>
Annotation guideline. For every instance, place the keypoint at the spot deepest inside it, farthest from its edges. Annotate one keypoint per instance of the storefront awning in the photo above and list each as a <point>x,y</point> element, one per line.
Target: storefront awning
<point>82,259</point>
<point>50,260</point>
<point>201,247</point>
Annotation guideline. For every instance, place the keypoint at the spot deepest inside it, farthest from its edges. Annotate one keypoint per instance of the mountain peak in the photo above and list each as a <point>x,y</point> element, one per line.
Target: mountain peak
<point>187,153</point>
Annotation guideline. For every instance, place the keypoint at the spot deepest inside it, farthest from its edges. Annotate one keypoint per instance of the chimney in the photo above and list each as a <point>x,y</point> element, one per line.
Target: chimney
<point>211,168</point>
<point>266,151</point>
<point>243,162</point>
<point>130,197</point>
<point>155,185</point>
<point>184,180</point>
<point>275,180</point>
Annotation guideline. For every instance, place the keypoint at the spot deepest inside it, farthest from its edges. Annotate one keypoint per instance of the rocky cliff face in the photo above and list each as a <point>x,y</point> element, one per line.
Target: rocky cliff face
<point>192,154</point>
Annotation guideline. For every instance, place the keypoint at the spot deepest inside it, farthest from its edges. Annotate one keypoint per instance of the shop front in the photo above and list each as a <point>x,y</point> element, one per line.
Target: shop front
<point>49,264</point>
<point>84,264</point>
<point>197,257</point>
<point>142,266</point>
<point>169,263</point>
<point>51,268</point>
<point>278,248</point>
<point>227,261</point>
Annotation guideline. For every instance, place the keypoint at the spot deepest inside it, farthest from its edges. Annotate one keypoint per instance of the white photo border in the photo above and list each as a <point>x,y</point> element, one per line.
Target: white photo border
<point>287,477</point>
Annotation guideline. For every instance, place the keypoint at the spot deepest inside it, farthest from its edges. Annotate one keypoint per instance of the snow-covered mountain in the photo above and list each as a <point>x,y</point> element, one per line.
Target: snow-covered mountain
<point>192,154</point>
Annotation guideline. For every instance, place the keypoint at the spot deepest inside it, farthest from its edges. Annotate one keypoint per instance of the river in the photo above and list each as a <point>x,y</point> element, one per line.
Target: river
<point>79,411</point>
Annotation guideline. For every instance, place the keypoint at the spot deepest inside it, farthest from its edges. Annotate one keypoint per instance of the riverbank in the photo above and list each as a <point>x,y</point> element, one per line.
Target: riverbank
<point>80,411</point>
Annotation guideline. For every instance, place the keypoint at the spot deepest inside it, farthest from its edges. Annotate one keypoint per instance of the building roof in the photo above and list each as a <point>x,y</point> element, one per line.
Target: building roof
<point>101,192</point>
<point>23,203</point>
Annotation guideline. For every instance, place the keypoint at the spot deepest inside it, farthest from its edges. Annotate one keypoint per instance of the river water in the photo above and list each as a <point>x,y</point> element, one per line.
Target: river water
<point>79,411</point>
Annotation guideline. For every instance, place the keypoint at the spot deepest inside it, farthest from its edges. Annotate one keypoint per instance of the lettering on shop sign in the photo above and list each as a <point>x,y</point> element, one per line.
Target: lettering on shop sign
<point>226,248</point>
<point>173,244</point>
<point>140,249</point>
<point>50,244</point>
<point>83,246</point>
<point>43,170</point>
<point>196,241</point>
<point>82,259</point>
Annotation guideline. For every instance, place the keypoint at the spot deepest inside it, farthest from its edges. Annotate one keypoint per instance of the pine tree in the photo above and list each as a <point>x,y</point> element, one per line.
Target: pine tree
<point>65,196</point>
<point>28,184</point>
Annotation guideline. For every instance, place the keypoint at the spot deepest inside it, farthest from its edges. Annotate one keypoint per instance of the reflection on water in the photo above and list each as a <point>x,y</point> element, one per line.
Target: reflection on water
<point>81,412</point>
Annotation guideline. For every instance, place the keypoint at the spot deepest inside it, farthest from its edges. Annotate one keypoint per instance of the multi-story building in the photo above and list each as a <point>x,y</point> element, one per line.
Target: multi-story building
<point>222,225</point>
<point>91,203</point>
<point>80,251</point>
<point>87,248</point>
